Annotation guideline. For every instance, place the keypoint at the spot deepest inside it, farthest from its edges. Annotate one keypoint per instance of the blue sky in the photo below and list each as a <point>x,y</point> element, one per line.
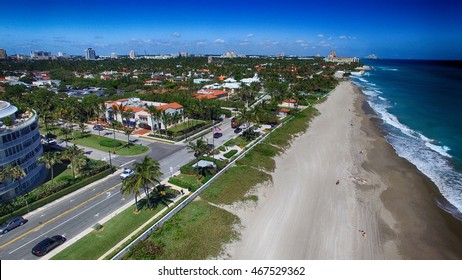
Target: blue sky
<point>389,29</point>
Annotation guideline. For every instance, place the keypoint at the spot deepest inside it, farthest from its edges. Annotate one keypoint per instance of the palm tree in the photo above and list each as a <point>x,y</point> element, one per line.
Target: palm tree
<point>128,131</point>
<point>176,117</point>
<point>198,148</point>
<point>127,115</point>
<point>75,155</point>
<point>99,110</point>
<point>65,131</point>
<point>147,173</point>
<point>165,119</point>
<point>117,110</point>
<point>50,159</point>
<point>3,174</point>
<point>128,187</point>
<point>153,112</point>
<point>16,173</point>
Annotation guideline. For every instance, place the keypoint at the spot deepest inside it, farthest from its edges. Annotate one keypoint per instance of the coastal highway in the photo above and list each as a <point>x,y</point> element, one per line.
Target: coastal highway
<point>82,209</point>
<point>79,211</point>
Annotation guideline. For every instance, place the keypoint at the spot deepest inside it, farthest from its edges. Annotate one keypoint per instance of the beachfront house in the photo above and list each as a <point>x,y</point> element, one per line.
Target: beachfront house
<point>139,113</point>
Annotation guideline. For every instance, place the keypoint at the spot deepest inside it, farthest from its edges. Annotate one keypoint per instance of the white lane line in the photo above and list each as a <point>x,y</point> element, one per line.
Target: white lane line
<point>75,216</point>
<point>127,163</point>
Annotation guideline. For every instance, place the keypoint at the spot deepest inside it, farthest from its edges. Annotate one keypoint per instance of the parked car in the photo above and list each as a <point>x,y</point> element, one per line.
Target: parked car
<point>98,127</point>
<point>12,223</point>
<point>51,141</point>
<point>48,244</point>
<point>238,130</point>
<point>127,173</point>
<point>217,135</point>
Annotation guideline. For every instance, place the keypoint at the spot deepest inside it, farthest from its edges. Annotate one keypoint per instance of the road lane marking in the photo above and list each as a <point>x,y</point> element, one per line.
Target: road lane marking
<point>57,217</point>
<point>127,163</point>
<point>70,219</point>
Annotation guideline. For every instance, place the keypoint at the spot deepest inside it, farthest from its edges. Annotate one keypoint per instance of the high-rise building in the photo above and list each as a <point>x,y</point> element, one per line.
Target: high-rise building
<point>90,54</point>
<point>114,55</point>
<point>132,54</point>
<point>3,54</point>
<point>20,144</point>
<point>40,55</point>
<point>63,55</point>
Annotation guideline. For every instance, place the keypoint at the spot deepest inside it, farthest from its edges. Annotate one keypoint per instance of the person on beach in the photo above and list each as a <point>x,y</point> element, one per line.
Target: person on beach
<point>338,182</point>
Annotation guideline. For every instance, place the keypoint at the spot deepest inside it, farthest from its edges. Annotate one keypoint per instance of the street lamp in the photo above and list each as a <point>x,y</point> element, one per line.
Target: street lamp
<point>110,161</point>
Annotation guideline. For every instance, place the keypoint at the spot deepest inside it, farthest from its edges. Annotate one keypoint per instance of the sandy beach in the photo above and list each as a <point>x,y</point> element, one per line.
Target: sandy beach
<point>382,208</point>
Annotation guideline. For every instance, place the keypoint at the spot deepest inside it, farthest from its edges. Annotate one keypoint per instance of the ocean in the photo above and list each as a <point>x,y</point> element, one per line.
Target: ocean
<point>420,104</point>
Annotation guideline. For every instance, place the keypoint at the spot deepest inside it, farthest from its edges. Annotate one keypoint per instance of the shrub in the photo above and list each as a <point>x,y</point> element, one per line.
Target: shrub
<point>110,143</point>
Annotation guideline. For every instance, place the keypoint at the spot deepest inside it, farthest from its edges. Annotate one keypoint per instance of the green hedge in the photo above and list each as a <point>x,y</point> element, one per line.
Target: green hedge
<point>230,153</point>
<point>39,203</point>
<point>110,143</point>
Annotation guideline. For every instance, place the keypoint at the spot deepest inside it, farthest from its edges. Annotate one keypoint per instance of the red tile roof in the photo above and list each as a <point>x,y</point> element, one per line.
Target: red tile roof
<point>173,105</point>
<point>204,96</point>
<point>284,110</point>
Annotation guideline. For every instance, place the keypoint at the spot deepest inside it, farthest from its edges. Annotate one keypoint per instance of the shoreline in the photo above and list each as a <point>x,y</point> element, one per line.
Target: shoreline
<point>304,215</point>
<point>432,234</point>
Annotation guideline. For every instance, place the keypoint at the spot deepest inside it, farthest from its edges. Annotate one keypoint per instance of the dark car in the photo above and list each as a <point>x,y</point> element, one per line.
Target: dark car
<point>12,223</point>
<point>238,130</point>
<point>48,244</point>
<point>98,127</point>
<point>217,135</point>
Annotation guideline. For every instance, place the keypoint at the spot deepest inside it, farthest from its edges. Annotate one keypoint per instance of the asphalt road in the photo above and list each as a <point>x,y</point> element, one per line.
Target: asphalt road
<point>81,210</point>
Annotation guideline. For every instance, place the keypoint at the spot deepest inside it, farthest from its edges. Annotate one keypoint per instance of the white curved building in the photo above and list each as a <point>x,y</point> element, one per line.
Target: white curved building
<point>19,145</point>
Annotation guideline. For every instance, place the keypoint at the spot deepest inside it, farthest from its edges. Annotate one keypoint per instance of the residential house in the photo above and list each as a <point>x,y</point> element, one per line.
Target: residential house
<point>211,94</point>
<point>289,103</point>
<point>140,116</point>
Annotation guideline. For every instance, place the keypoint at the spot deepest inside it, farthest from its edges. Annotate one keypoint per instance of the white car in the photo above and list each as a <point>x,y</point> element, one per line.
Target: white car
<point>127,173</point>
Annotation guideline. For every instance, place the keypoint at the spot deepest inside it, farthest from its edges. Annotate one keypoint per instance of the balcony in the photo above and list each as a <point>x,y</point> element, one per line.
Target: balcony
<point>26,119</point>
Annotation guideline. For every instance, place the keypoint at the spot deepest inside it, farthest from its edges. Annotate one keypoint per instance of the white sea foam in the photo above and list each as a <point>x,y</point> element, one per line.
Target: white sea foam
<point>442,150</point>
<point>388,69</point>
<point>426,154</point>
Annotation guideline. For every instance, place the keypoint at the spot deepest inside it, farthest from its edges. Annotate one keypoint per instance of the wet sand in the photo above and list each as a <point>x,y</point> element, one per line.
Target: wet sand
<point>382,208</point>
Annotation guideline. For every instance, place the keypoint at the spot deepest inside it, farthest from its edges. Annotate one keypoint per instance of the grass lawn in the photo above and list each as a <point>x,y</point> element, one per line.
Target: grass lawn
<point>238,141</point>
<point>186,181</point>
<point>197,232</point>
<point>261,157</point>
<point>185,125</point>
<point>93,141</point>
<point>113,232</point>
<point>233,185</point>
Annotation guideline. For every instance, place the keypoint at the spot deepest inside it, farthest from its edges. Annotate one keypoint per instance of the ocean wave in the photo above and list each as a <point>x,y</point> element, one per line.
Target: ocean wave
<point>435,166</point>
<point>442,150</point>
<point>430,158</point>
<point>387,69</point>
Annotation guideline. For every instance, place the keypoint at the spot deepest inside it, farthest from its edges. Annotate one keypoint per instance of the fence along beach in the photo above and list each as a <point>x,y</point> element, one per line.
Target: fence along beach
<point>382,208</point>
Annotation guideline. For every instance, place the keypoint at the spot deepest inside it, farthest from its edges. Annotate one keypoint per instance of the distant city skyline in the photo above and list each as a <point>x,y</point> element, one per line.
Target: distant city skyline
<point>394,29</point>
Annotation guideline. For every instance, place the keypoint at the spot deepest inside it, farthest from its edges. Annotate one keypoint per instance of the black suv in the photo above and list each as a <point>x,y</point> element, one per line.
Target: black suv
<point>12,223</point>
